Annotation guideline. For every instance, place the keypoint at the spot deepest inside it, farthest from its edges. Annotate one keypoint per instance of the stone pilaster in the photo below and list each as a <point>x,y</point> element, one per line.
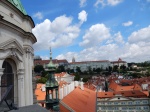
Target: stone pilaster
<point>28,76</point>
<point>21,89</point>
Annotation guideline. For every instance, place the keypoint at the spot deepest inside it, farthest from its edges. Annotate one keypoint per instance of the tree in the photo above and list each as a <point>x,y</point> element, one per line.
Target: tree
<point>72,71</point>
<point>44,73</point>
<point>77,77</point>
<point>115,68</point>
<point>42,80</point>
<point>38,69</point>
<point>98,70</point>
<point>60,69</point>
<point>85,79</point>
<point>109,68</point>
<point>78,69</point>
<point>68,70</point>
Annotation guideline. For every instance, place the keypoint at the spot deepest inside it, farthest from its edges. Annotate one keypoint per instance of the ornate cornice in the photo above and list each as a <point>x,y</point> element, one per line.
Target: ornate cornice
<point>29,35</point>
<point>15,45</point>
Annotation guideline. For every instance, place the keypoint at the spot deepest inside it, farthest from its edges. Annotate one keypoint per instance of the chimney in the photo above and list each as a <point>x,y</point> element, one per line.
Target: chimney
<point>81,84</point>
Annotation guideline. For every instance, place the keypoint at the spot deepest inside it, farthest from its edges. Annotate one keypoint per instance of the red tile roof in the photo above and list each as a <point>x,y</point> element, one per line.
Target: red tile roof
<point>40,95</point>
<point>134,93</point>
<point>80,100</point>
<point>82,62</point>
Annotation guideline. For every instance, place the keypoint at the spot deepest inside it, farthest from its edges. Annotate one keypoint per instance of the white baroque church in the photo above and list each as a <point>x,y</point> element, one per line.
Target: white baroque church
<point>16,51</point>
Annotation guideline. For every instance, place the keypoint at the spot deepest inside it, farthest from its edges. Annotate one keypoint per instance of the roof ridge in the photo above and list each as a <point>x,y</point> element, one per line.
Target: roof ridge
<point>61,102</point>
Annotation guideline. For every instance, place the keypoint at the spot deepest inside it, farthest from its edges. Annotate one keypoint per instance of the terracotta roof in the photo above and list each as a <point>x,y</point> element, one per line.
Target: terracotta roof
<point>114,86</point>
<point>82,62</point>
<point>134,93</point>
<point>60,74</point>
<point>90,86</point>
<point>80,100</point>
<point>63,108</point>
<point>40,95</point>
<point>119,61</point>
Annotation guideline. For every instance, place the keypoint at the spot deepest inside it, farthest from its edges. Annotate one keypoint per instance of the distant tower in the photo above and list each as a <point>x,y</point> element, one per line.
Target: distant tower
<point>73,59</point>
<point>52,100</point>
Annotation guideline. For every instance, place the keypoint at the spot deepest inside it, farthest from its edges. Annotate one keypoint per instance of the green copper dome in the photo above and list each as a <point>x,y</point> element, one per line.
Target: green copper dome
<point>18,5</point>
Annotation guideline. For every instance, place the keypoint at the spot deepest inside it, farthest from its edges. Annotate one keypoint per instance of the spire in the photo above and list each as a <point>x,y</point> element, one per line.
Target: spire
<point>73,59</point>
<point>50,54</point>
<point>51,66</point>
<point>18,5</point>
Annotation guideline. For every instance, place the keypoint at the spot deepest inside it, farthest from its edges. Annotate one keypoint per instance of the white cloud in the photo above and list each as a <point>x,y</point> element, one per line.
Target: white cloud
<point>82,3</point>
<point>140,35</point>
<point>136,49</point>
<point>55,34</point>
<point>99,2</point>
<point>107,2</point>
<point>118,38</point>
<point>82,16</point>
<point>38,15</point>
<point>129,23</point>
<point>114,2</point>
<point>95,35</point>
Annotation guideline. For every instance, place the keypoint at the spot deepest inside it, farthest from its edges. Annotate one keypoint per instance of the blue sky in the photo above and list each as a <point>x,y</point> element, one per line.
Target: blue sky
<point>91,29</point>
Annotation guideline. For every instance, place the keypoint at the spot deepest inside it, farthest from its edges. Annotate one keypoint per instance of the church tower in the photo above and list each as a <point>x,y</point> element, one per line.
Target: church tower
<point>16,51</point>
<point>73,60</point>
<point>52,100</point>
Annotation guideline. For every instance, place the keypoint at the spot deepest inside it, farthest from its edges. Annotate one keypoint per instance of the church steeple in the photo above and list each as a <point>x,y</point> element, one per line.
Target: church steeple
<point>18,5</point>
<point>73,59</point>
<point>51,65</point>
<point>50,54</point>
<point>52,87</point>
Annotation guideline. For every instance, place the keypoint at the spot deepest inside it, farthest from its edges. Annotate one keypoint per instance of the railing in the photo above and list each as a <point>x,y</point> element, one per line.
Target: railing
<point>4,97</point>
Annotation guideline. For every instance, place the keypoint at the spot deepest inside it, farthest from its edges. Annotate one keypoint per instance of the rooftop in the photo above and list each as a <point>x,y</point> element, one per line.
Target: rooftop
<point>18,5</point>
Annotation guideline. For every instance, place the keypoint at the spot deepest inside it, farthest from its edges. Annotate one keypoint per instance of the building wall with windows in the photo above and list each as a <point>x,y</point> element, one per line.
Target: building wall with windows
<point>84,66</point>
<point>123,104</point>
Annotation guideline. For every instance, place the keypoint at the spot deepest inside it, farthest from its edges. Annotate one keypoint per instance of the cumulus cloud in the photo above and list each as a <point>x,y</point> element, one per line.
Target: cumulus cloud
<point>38,15</point>
<point>114,2</point>
<point>55,34</point>
<point>140,35</point>
<point>129,23</point>
<point>99,2</point>
<point>95,35</point>
<point>136,49</point>
<point>118,38</point>
<point>107,2</point>
<point>82,16</point>
<point>82,3</point>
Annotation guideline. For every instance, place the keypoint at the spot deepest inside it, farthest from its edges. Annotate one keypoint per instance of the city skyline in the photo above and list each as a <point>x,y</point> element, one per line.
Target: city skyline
<point>91,30</point>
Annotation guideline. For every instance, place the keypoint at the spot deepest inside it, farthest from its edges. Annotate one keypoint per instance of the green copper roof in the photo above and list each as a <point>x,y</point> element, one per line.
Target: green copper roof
<point>51,82</point>
<point>18,5</point>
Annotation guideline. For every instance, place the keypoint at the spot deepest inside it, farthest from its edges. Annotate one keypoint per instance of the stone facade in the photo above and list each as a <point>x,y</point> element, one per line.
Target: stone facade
<point>16,50</point>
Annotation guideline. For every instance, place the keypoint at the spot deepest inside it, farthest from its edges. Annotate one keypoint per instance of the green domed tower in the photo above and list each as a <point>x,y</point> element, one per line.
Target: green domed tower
<point>52,100</point>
